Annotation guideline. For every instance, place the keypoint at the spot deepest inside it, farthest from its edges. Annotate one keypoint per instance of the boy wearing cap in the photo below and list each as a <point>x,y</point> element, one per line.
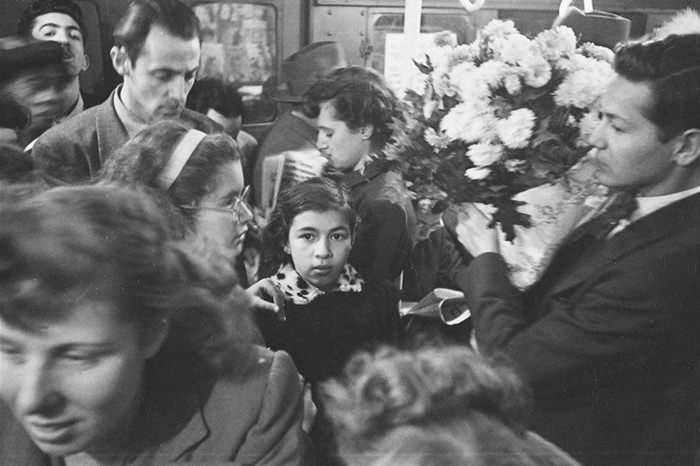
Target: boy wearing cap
<point>156,51</point>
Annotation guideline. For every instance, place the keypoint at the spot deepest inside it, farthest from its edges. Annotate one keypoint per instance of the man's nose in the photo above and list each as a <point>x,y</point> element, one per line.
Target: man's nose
<point>38,392</point>
<point>596,138</point>
<point>61,36</point>
<point>178,89</point>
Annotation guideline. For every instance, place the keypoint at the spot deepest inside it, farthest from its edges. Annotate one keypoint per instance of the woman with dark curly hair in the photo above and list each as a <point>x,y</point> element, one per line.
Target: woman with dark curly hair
<point>356,111</point>
<point>442,406</point>
<point>117,345</point>
<point>330,311</point>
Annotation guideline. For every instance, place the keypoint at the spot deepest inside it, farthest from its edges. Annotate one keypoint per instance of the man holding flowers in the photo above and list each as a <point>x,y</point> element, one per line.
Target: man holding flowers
<point>608,339</point>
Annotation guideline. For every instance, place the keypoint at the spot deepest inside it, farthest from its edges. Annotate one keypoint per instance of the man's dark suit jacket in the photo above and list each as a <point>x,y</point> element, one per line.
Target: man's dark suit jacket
<point>74,150</point>
<point>608,340</point>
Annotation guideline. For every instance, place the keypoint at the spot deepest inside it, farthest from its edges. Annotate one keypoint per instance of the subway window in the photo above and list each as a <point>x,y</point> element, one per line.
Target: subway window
<point>239,46</point>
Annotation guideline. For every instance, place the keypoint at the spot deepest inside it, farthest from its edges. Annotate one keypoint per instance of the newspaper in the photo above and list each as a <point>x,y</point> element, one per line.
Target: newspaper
<point>287,168</point>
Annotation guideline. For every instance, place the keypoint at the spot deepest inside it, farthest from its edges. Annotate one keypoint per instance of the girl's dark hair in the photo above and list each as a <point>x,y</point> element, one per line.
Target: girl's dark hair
<point>142,160</point>
<point>315,194</point>
<point>78,244</point>
<point>359,96</point>
<point>671,66</point>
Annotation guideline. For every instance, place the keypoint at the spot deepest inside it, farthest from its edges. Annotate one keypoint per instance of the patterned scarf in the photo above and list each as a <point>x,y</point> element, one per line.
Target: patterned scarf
<point>299,291</point>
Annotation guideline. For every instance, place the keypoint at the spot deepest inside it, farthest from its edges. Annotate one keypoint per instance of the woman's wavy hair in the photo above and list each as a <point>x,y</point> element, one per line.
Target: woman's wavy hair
<point>142,159</point>
<point>671,67</point>
<point>359,96</point>
<point>112,244</point>
<point>389,393</point>
<point>315,194</point>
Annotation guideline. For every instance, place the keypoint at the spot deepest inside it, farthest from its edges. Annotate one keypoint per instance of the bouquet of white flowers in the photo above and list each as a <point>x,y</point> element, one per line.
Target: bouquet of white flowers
<point>501,115</point>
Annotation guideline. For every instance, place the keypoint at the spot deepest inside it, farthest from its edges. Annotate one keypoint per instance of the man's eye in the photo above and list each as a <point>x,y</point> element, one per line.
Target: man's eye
<point>339,236</point>
<point>80,357</point>
<point>306,236</point>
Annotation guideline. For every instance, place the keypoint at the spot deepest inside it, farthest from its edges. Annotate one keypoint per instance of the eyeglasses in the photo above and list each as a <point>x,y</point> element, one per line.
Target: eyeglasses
<point>240,208</point>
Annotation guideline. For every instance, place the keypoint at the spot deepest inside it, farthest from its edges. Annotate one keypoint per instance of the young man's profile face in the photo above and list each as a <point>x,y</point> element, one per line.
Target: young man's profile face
<point>156,84</point>
<point>61,28</point>
<point>628,152</point>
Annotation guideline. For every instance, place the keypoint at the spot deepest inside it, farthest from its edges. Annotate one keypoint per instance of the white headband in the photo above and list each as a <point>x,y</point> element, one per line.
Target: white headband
<point>181,154</point>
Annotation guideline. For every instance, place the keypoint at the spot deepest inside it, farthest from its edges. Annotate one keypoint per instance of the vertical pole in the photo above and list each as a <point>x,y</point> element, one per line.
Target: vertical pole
<point>411,29</point>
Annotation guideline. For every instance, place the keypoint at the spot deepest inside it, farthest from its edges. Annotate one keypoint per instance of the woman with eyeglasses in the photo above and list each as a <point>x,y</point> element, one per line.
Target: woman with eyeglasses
<point>118,347</point>
<point>201,175</point>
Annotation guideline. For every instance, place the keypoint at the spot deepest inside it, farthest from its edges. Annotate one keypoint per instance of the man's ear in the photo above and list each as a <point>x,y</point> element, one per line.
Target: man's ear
<point>688,147</point>
<point>286,249</point>
<point>120,60</point>
<point>156,335</point>
<point>86,62</point>
<point>366,131</point>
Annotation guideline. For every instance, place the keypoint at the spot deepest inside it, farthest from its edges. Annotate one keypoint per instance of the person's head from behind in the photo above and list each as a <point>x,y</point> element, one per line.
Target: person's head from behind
<point>301,69</point>
<point>311,227</point>
<point>355,109</point>
<point>87,282</point>
<point>60,21</point>
<point>200,174</point>
<point>156,50</point>
<point>437,394</point>
<point>34,74</point>
<point>649,139</point>
<point>219,101</point>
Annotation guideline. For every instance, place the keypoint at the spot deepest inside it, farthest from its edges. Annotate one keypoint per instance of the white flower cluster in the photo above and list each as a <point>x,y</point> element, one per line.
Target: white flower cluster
<point>492,80</point>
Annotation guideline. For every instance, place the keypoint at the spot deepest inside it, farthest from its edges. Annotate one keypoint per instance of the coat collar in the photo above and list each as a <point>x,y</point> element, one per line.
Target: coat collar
<point>111,132</point>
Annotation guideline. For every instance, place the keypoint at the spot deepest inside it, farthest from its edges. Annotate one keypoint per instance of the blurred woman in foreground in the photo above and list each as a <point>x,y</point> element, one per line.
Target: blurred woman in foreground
<point>118,347</point>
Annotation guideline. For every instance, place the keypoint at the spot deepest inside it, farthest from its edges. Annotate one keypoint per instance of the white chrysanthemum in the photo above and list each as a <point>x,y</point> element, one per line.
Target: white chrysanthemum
<point>536,71</point>
<point>468,123</point>
<point>516,130</point>
<point>512,49</point>
<point>484,154</point>
<point>477,173</point>
<point>435,139</point>
<point>588,124</point>
<point>512,83</point>
<point>442,86</point>
<point>498,28</point>
<point>462,53</point>
<point>491,74</point>
<point>597,52</point>
<point>514,165</point>
<point>554,44</point>
<point>583,87</point>
<point>464,79</point>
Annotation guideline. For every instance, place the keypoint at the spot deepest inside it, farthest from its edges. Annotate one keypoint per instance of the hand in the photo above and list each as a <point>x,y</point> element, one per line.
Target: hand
<point>310,409</point>
<point>265,295</point>
<point>474,233</point>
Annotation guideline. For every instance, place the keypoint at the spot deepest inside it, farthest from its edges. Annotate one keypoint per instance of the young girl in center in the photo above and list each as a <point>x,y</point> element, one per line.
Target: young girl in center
<point>329,310</point>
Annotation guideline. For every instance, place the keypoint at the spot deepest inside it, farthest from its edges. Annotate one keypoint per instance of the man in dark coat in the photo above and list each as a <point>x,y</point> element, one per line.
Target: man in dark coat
<point>609,338</point>
<point>157,51</point>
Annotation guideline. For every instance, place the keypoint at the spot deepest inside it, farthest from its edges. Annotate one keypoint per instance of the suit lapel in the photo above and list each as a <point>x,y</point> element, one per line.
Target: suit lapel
<point>111,133</point>
<point>656,227</point>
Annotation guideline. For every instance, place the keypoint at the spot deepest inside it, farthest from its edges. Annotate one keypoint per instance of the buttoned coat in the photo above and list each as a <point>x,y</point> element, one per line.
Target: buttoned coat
<point>75,150</point>
<point>252,417</point>
<point>608,340</point>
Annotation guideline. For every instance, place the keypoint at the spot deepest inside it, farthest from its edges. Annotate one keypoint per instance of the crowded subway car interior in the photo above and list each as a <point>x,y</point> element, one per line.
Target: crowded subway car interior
<point>245,42</point>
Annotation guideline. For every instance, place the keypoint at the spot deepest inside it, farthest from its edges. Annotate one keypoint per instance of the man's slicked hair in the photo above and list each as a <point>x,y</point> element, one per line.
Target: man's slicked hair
<point>141,15</point>
<point>671,67</point>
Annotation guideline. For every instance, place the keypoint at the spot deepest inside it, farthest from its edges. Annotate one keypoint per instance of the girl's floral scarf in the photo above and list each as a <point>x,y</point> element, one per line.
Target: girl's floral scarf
<point>298,291</point>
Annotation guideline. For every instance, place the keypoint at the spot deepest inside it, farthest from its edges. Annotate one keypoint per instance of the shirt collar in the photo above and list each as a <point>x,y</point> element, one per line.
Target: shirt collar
<point>299,291</point>
<point>647,205</point>
<point>132,122</point>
